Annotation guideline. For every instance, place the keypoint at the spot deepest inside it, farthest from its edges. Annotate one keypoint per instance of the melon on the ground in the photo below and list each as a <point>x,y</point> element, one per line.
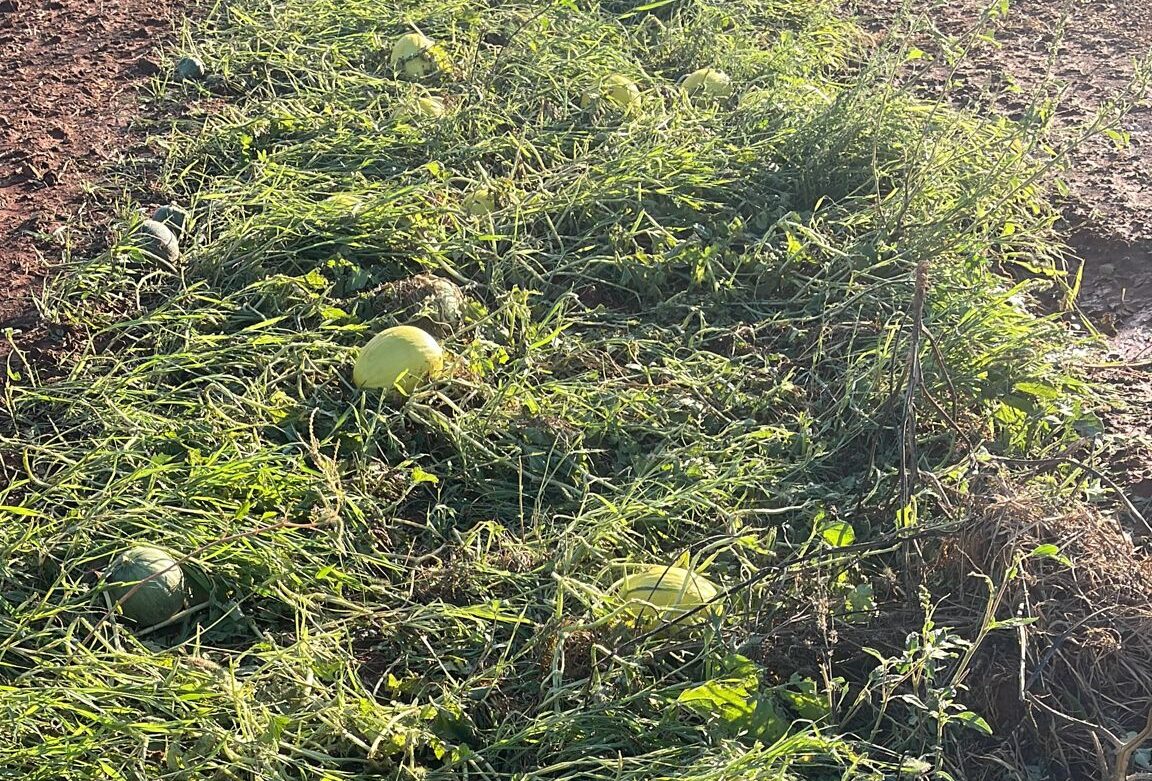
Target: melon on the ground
<point>423,107</point>
<point>616,89</point>
<point>479,202</point>
<point>158,240</point>
<point>708,84</point>
<point>398,358</point>
<point>658,594</point>
<point>173,216</point>
<point>190,69</point>
<point>162,594</point>
<point>417,56</point>
<point>427,301</point>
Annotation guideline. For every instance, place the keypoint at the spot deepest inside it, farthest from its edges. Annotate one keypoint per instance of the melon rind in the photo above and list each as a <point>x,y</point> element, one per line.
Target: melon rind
<point>162,592</point>
<point>398,358</point>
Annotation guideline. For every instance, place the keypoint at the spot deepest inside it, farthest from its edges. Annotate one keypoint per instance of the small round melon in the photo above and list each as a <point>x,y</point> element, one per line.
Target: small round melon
<point>416,55</point>
<point>657,594</point>
<point>190,69</point>
<point>479,203</point>
<point>157,240</point>
<point>173,216</point>
<point>156,600</point>
<point>708,84</point>
<point>616,89</point>
<point>398,358</point>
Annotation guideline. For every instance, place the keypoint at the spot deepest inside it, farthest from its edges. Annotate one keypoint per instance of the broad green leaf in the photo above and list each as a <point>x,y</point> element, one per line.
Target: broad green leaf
<point>838,534</point>
<point>974,721</point>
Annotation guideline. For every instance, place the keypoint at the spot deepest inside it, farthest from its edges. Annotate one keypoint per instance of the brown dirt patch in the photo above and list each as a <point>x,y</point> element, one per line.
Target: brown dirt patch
<point>1080,673</point>
<point>70,72</point>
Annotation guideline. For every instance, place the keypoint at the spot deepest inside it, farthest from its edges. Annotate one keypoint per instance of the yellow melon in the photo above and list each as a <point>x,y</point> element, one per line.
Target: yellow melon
<point>398,359</point>
<point>657,594</point>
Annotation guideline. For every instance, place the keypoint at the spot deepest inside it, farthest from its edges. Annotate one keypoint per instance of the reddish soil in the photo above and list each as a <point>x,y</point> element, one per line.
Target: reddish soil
<point>70,71</point>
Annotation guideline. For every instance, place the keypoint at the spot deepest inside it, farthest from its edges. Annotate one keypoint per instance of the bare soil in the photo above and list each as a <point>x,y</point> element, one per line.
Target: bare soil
<point>70,75</point>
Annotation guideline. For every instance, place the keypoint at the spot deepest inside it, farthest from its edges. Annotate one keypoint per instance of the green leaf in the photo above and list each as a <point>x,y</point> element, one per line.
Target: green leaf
<point>838,534</point>
<point>726,700</point>
<point>974,721</point>
<point>1050,551</point>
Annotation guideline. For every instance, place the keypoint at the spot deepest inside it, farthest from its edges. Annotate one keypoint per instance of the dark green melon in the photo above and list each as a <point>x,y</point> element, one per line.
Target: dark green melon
<point>190,69</point>
<point>175,217</point>
<point>158,240</point>
<point>159,598</point>
<point>430,302</point>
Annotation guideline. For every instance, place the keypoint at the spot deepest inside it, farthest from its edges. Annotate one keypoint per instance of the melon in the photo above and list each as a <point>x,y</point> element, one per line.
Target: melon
<point>174,217</point>
<point>479,202</point>
<point>190,69</point>
<point>398,358</point>
<point>158,240</point>
<point>657,594</point>
<point>162,594</point>
<point>616,89</point>
<point>708,84</point>
<point>417,56</point>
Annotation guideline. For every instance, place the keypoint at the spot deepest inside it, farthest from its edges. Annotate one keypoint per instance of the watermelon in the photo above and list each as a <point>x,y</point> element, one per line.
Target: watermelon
<point>156,239</point>
<point>174,217</point>
<point>657,594</point>
<point>432,303</point>
<point>618,90</point>
<point>416,56</point>
<point>423,107</point>
<point>190,69</point>
<point>398,359</point>
<point>160,597</point>
<point>479,202</point>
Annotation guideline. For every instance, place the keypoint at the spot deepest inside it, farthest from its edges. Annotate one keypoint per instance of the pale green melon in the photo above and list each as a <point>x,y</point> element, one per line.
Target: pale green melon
<point>417,56</point>
<point>616,89</point>
<point>708,84</point>
<point>162,594</point>
<point>658,594</point>
<point>398,359</point>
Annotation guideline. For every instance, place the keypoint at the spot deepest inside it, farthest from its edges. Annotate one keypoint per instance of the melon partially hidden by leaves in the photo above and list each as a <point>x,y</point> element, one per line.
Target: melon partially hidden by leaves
<point>398,358</point>
<point>658,594</point>
<point>416,56</point>
<point>708,84</point>
<point>158,240</point>
<point>424,107</point>
<point>173,216</point>
<point>427,301</point>
<point>618,90</point>
<point>162,594</point>
<point>479,203</point>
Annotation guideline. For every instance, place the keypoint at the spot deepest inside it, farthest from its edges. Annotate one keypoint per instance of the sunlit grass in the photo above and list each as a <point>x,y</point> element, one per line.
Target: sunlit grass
<point>688,335</point>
